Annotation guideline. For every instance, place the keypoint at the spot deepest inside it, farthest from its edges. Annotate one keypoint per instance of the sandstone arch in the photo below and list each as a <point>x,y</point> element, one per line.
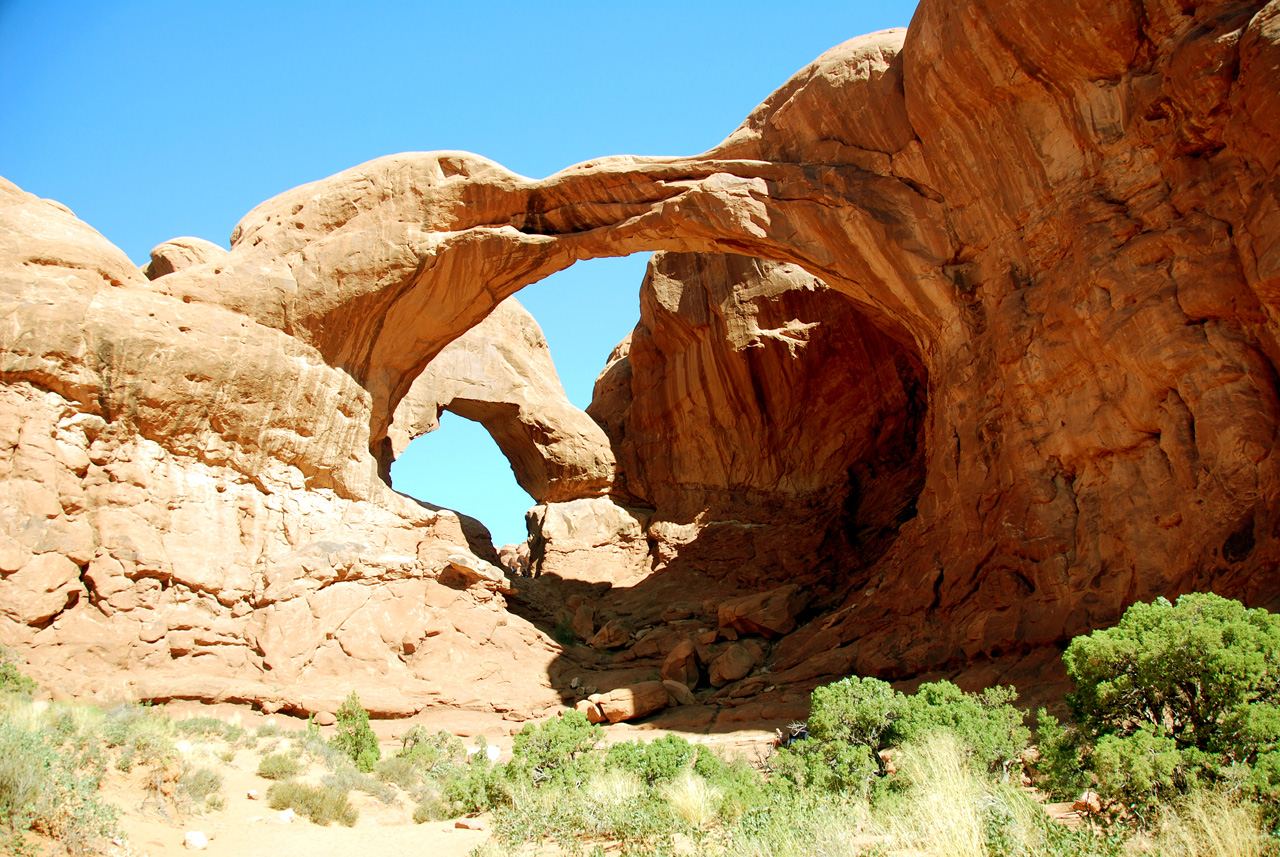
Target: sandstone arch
<point>379,267</point>
<point>500,374</point>
<point>1076,234</point>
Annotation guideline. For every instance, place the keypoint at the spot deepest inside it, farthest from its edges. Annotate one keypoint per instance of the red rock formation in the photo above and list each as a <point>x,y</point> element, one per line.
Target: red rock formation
<point>770,425</point>
<point>1062,219</point>
<point>500,374</point>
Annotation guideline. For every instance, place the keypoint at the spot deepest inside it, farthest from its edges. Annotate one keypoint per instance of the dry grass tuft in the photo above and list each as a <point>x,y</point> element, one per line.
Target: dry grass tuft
<point>1211,823</point>
<point>943,814</point>
<point>693,799</point>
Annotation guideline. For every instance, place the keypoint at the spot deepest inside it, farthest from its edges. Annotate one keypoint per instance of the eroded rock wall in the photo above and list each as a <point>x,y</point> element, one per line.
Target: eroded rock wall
<point>1063,217</point>
<point>187,510</point>
<point>773,429</point>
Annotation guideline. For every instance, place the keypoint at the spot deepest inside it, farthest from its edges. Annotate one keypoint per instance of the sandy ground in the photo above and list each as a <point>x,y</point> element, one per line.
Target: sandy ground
<point>245,827</point>
<point>249,828</point>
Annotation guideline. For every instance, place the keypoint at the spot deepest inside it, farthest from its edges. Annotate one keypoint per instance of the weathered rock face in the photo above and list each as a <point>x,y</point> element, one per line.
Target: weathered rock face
<point>500,374</point>
<point>1057,224</point>
<point>769,424</point>
<point>158,537</point>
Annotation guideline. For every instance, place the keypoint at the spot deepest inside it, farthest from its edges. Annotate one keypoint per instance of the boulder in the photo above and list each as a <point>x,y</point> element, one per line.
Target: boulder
<point>612,635</point>
<point>732,664</point>
<point>583,622</point>
<point>475,571</point>
<point>634,702</point>
<point>681,665</point>
<point>591,708</point>
<point>770,613</point>
<point>679,693</point>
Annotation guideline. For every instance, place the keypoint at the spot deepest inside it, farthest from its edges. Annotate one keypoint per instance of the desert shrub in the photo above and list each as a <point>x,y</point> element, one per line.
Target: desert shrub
<point>613,806</point>
<point>279,766</point>
<point>354,736</point>
<point>45,788</point>
<point>401,772</point>
<point>314,747</point>
<point>430,808</point>
<point>855,710</point>
<point>320,804</point>
<point>854,720</point>
<point>209,727</point>
<point>850,721</point>
<point>987,724</point>
<point>475,786</point>
<point>834,767</point>
<point>138,732</point>
<point>347,778</point>
<point>424,759</point>
<point>659,761</point>
<point>1174,697</point>
<point>430,750</point>
<point>202,787</point>
<point>554,751</point>
<point>11,678</point>
<point>1058,769</point>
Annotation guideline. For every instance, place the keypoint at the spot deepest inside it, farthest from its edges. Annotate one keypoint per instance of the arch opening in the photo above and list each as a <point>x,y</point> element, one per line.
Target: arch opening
<point>460,467</point>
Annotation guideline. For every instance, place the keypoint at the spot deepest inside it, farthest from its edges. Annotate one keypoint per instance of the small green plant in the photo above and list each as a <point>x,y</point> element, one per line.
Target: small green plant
<point>270,730</point>
<point>279,766</point>
<point>430,808</point>
<point>320,804</point>
<point>348,779</point>
<point>202,787</point>
<point>431,750</point>
<point>11,679</point>
<point>354,736</point>
<point>209,727</point>
<point>139,732</point>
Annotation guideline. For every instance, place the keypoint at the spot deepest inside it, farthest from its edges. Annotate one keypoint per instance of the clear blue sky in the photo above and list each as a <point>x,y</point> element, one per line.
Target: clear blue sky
<point>153,120</point>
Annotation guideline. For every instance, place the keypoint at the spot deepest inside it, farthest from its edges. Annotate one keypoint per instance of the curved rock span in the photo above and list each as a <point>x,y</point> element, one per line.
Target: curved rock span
<point>968,332</point>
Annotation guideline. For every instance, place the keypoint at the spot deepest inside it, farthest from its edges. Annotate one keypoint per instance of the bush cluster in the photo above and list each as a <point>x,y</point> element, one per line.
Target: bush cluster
<point>1174,698</point>
<point>855,722</point>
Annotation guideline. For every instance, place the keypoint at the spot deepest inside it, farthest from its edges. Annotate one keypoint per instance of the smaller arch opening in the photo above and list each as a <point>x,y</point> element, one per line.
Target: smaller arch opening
<point>460,467</point>
<point>497,388</point>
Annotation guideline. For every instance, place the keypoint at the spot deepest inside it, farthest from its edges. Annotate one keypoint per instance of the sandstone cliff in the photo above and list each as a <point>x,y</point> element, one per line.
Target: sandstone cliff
<point>1010,366</point>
